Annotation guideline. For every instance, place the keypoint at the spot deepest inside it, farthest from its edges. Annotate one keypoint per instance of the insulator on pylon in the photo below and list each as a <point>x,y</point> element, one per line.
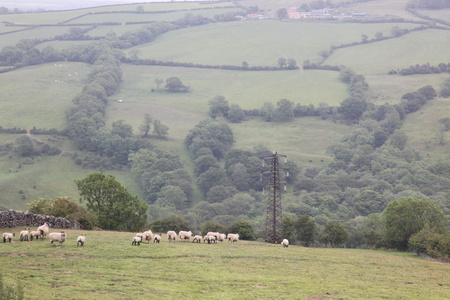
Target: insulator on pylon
<point>260,177</point>
<point>287,173</point>
<point>263,163</point>
<point>285,160</point>
<point>285,186</point>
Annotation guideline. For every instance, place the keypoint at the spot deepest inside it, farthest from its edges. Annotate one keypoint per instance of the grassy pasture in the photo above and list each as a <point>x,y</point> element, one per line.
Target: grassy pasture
<point>12,38</point>
<point>256,42</point>
<point>442,14</point>
<point>422,128</point>
<point>384,8</point>
<point>136,17</point>
<point>25,103</point>
<point>302,140</point>
<point>41,18</point>
<point>107,266</point>
<point>417,47</point>
<point>390,88</point>
<point>248,89</point>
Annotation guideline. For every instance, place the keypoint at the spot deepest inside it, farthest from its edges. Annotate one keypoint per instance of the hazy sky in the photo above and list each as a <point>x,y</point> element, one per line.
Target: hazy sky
<point>66,4</point>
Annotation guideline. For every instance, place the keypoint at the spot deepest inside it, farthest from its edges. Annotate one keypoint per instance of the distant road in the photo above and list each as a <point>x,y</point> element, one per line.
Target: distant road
<point>27,5</point>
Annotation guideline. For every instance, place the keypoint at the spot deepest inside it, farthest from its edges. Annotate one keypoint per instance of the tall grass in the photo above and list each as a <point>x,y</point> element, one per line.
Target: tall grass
<point>109,267</point>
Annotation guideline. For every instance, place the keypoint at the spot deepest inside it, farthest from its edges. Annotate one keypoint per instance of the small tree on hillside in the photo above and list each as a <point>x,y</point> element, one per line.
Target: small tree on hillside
<point>174,85</point>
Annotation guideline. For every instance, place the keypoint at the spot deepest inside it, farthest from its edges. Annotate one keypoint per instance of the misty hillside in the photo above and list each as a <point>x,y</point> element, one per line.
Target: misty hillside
<point>182,101</point>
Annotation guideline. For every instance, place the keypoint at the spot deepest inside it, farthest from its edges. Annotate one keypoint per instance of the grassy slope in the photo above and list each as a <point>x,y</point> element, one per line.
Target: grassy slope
<point>25,103</point>
<point>109,267</point>
<point>417,47</point>
<point>258,43</point>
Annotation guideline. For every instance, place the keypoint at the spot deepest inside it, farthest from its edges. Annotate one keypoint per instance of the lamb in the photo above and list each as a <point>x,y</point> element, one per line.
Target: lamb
<point>136,241</point>
<point>185,235</point>
<point>156,238</point>
<point>171,235</point>
<point>81,239</point>
<point>285,243</point>
<point>197,238</point>
<point>147,236</point>
<point>210,239</point>
<point>24,234</point>
<point>233,237</point>
<point>44,229</point>
<point>35,233</point>
<point>139,234</point>
<point>221,237</point>
<point>8,236</point>
<point>57,237</point>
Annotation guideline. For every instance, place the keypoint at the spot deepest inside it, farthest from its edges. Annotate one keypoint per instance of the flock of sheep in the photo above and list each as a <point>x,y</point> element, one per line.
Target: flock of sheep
<point>210,237</point>
<point>42,232</point>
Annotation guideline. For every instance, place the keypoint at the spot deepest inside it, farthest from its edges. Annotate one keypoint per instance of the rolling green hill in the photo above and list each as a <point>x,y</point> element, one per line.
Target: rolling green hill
<point>40,94</point>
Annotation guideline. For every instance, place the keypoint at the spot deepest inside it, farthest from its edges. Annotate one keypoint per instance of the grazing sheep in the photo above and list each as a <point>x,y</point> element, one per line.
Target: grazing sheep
<point>157,238</point>
<point>285,243</point>
<point>184,235</point>
<point>35,233</point>
<point>233,237</point>
<point>81,239</point>
<point>57,237</point>
<point>136,241</point>
<point>44,229</point>
<point>139,234</point>
<point>197,238</point>
<point>147,236</point>
<point>24,234</point>
<point>8,236</point>
<point>210,239</point>
<point>221,237</point>
<point>171,235</point>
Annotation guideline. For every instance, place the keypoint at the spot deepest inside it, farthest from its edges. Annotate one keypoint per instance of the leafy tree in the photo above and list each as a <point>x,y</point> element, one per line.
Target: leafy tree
<point>146,125</point>
<point>428,91</point>
<point>204,163</point>
<point>143,160</point>
<point>158,82</point>
<point>288,229</point>
<point>115,207</point>
<point>245,65</point>
<point>218,107</point>
<point>364,38</point>
<point>399,139</point>
<point>122,129</point>
<point>235,114</point>
<point>445,89</point>
<point>305,229</point>
<point>217,193</point>
<point>174,85</point>
<point>407,216</point>
<point>244,229</point>
<point>210,178</point>
<point>368,202</point>
<point>428,241</point>
<point>282,14</point>
<point>379,36</point>
<point>211,226</point>
<point>172,196</point>
<point>353,108</point>
<point>173,222</point>
<point>291,64</point>
<point>282,62</point>
<point>334,233</point>
<point>267,112</point>
<point>159,128</point>
<point>284,111</point>
<point>24,145</point>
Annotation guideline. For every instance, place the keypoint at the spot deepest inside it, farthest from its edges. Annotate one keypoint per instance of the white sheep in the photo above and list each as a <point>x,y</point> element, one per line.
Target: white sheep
<point>24,234</point>
<point>171,235</point>
<point>44,229</point>
<point>221,237</point>
<point>136,241</point>
<point>185,235</point>
<point>57,237</point>
<point>197,238</point>
<point>285,243</point>
<point>147,236</point>
<point>8,236</point>
<point>81,239</point>
<point>139,234</point>
<point>210,239</point>
<point>157,238</point>
<point>233,237</point>
<point>35,234</point>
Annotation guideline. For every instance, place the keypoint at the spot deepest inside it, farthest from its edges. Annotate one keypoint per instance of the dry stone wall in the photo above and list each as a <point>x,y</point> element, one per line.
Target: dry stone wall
<point>12,218</point>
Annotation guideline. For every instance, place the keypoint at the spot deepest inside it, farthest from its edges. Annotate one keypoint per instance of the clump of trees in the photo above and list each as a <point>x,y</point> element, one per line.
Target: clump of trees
<point>115,208</point>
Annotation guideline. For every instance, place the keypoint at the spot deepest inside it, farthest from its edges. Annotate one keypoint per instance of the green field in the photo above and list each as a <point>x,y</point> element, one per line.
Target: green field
<point>418,47</point>
<point>13,38</point>
<point>257,43</point>
<point>107,266</point>
<point>25,103</point>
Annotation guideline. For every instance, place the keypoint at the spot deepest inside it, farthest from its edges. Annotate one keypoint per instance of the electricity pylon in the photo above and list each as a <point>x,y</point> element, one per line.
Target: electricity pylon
<point>274,208</point>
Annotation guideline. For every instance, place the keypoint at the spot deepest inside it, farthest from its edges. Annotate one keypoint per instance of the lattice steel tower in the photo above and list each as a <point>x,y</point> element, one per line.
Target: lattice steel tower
<point>274,209</point>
